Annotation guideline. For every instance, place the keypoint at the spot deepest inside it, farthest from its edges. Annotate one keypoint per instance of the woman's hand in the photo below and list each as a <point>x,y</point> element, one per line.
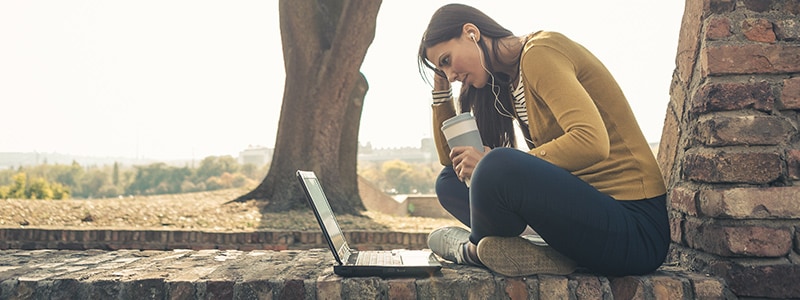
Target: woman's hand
<point>440,83</point>
<point>465,158</point>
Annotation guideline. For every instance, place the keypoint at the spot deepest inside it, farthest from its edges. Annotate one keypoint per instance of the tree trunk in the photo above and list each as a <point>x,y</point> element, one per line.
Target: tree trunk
<point>324,44</point>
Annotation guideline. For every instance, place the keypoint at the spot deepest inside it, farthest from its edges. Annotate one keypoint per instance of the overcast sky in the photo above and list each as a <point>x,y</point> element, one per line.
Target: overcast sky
<point>181,79</point>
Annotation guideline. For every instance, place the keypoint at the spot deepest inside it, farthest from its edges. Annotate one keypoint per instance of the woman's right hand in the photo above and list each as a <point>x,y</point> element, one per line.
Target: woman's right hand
<point>465,159</point>
<point>440,83</point>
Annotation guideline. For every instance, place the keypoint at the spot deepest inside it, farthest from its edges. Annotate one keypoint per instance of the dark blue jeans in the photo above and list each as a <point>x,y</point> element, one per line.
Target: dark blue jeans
<point>511,189</point>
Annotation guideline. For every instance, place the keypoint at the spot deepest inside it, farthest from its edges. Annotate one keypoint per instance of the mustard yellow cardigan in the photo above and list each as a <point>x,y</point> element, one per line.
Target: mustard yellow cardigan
<point>579,120</point>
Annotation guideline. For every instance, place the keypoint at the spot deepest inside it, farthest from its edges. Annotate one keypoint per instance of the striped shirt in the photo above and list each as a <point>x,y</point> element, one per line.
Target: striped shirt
<point>519,101</point>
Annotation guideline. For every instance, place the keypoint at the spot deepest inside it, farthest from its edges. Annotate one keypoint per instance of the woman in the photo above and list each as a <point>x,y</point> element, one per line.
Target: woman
<point>589,186</point>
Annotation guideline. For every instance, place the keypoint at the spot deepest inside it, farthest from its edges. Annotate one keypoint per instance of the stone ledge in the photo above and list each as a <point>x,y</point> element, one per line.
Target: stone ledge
<point>303,274</point>
<point>82,239</point>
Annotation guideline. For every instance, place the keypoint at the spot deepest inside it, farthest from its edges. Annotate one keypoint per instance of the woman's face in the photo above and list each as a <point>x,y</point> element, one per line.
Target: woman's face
<point>460,59</point>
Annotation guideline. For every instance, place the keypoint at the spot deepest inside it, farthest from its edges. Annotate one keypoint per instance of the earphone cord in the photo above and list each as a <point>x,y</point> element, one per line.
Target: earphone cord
<point>495,88</point>
<point>496,92</point>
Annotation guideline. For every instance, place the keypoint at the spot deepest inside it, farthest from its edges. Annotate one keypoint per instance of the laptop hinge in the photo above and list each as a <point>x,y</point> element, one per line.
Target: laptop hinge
<point>346,253</point>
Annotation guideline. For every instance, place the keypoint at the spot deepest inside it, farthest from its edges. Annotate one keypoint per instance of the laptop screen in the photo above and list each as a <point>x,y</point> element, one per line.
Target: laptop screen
<point>325,214</point>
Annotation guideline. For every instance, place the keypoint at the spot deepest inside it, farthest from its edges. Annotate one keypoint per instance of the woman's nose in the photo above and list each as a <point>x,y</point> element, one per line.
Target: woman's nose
<point>451,76</point>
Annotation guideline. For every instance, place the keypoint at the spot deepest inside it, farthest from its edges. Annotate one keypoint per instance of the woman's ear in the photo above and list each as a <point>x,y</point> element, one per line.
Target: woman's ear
<point>471,32</point>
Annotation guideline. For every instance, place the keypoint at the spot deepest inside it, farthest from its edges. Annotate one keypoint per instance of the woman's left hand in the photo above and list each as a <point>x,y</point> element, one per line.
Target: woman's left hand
<point>465,158</point>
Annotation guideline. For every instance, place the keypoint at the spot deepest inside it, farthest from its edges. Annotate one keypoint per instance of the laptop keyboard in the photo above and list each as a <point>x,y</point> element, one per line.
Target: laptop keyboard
<point>379,258</point>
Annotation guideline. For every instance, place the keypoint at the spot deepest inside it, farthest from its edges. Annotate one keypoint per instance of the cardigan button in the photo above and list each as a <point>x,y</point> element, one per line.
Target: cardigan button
<point>543,153</point>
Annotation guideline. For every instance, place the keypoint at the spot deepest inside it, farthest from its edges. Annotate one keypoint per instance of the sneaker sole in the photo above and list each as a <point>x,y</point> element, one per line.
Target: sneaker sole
<point>515,256</point>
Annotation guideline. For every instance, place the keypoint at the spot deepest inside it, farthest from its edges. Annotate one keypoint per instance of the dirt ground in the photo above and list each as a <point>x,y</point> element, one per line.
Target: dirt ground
<point>207,211</point>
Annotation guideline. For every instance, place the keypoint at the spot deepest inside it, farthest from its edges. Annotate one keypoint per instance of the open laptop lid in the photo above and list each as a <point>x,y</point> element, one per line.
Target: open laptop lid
<point>327,221</point>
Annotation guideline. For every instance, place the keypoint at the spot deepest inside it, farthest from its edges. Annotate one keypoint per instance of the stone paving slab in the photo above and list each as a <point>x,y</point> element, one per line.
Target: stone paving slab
<point>303,274</point>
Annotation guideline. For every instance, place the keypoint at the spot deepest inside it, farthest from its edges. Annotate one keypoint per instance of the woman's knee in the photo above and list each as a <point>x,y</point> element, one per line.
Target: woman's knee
<point>502,161</point>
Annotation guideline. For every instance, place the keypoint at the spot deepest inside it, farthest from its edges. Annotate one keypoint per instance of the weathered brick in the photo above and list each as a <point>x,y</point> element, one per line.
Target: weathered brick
<point>683,199</point>
<point>364,288</point>
<point>180,290</point>
<point>743,130</point>
<point>676,227</point>
<point>455,289</point>
<point>149,289</point>
<point>738,241</point>
<point>758,30</point>
<point>750,59</point>
<point>719,6</point>
<point>790,93</point>
<point>628,287</point>
<point>553,287</point>
<point>754,278</point>
<point>587,287</point>
<point>404,288</point>
<point>329,286</point>
<point>797,239</point>
<point>718,28</point>
<point>668,147</point>
<point>741,167</point>
<point>787,29</point>
<point>792,7</point>
<point>758,5</point>
<point>292,289</point>
<point>759,241</point>
<point>75,289</point>
<point>733,96</point>
<point>531,284</point>
<point>668,287</point>
<point>516,288</point>
<point>705,287</point>
<point>751,203</point>
<point>691,26</point>
<point>259,289</point>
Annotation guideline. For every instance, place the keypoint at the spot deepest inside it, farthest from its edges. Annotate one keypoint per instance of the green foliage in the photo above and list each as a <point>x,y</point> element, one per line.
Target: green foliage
<point>254,172</point>
<point>115,174</point>
<point>17,189</point>
<point>215,166</point>
<point>49,181</point>
<point>158,178</point>
<point>35,188</point>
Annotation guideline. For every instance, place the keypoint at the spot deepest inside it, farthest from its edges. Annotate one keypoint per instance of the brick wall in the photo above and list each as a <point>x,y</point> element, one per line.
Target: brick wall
<point>81,239</point>
<point>730,148</point>
<point>259,274</point>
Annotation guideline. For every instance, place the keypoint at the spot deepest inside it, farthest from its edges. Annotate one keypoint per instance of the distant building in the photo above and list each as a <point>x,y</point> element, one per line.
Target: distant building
<point>424,154</point>
<point>256,155</point>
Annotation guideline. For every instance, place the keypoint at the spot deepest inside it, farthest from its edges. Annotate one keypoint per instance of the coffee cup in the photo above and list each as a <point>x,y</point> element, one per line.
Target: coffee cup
<point>462,130</point>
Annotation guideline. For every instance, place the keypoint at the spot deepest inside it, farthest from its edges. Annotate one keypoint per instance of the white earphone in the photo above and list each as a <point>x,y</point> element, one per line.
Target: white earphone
<point>494,87</point>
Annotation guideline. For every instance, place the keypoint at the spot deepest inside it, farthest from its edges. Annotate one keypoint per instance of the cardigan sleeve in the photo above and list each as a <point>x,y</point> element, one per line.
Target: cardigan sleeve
<point>553,79</point>
<point>443,109</point>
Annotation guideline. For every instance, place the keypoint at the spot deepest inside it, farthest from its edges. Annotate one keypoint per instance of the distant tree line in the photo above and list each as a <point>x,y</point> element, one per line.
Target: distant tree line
<point>56,181</point>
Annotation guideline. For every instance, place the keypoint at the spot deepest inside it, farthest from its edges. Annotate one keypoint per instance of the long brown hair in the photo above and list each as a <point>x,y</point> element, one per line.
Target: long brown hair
<point>446,23</point>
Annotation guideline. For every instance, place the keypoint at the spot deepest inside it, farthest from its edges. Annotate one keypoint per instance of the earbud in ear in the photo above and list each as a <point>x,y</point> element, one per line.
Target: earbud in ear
<point>472,35</point>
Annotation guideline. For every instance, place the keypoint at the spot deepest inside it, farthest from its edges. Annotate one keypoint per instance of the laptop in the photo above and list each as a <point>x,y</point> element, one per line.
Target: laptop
<point>350,262</point>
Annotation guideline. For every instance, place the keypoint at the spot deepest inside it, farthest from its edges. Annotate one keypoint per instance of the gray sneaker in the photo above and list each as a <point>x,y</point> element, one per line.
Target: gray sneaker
<point>447,242</point>
<point>517,256</point>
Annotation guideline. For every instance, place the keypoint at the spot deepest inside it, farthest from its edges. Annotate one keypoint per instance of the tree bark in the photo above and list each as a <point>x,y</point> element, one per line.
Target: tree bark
<point>324,44</point>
